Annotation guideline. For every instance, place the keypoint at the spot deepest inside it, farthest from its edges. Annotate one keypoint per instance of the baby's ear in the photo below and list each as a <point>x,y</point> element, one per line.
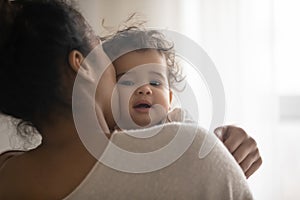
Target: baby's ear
<point>78,66</point>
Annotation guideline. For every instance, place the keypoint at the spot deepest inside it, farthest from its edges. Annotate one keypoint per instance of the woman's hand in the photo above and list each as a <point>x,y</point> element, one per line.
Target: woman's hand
<point>241,146</point>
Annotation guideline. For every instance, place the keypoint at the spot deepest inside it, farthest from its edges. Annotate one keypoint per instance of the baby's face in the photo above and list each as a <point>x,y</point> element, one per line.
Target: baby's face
<point>144,93</point>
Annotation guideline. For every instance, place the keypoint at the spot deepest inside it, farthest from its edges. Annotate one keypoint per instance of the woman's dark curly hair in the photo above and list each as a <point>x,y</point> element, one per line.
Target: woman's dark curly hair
<point>137,38</point>
<point>36,38</point>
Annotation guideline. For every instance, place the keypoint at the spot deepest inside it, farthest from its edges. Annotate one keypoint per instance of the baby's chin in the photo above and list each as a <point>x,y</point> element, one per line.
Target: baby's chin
<point>143,122</point>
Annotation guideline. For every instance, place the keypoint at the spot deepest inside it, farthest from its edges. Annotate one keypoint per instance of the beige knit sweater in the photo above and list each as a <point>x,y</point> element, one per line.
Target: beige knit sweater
<point>180,172</point>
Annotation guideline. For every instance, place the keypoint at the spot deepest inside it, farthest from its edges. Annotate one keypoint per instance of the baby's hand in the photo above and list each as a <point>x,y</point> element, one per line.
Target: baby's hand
<point>241,146</point>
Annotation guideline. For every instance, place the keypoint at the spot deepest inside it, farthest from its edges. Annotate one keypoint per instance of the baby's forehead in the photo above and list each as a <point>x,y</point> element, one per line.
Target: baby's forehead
<point>144,56</point>
<point>152,69</point>
<point>138,58</point>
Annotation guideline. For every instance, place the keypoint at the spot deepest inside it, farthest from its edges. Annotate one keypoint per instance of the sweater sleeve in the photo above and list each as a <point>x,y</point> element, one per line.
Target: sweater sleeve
<point>219,176</point>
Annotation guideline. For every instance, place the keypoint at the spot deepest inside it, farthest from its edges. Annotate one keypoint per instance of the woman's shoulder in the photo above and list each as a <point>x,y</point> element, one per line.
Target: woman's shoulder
<point>160,133</point>
<point>6,155</point>
<point>8,169</point>
<point>166,127</point>
<point>182,152</point>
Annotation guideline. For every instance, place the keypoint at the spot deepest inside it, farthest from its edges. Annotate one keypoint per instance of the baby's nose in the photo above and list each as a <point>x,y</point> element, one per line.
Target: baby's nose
<point>144,90</point>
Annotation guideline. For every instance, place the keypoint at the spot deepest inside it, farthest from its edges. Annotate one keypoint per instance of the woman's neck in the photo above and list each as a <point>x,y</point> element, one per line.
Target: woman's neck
<point>59,132</point>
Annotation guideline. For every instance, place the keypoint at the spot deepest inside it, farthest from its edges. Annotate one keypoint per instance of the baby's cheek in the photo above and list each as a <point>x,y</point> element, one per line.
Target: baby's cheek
<point>125,93</point>
<point>167,100</point>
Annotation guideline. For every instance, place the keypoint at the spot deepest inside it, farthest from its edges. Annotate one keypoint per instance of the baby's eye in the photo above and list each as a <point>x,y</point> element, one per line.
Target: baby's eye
<point>155,83</point>
<point>126,83</point>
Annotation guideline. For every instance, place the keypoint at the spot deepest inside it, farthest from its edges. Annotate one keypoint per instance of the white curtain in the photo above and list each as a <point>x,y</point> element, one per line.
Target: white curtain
<point>255,47</point>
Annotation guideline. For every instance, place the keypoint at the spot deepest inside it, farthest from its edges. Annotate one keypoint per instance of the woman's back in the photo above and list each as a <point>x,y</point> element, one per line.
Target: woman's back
<point>44,173</point>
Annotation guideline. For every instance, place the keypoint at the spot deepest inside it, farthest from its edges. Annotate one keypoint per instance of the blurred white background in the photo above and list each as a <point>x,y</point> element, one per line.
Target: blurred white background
<point>255,47</point>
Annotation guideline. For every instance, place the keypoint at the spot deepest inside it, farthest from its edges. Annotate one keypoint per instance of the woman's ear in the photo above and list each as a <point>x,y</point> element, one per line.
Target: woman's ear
<point>170,97</point>
<point>77,64</point>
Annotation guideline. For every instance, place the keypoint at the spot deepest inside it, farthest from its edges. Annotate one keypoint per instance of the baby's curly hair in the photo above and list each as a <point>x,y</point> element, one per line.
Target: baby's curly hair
<point>138,38</point>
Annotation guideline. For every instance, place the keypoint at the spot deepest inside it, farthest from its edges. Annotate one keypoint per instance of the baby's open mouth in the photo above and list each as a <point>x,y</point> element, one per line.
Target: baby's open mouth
<point>142,105</point>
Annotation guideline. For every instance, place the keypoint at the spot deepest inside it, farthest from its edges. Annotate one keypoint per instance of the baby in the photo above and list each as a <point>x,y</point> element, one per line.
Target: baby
<point>147,74</point>
<point>146,71</point>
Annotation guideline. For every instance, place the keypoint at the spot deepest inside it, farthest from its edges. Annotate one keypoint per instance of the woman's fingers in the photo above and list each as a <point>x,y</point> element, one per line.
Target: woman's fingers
<point>243,148</point>
<point>253,167</point>
<point>235,137</point>
<point>250,160</point>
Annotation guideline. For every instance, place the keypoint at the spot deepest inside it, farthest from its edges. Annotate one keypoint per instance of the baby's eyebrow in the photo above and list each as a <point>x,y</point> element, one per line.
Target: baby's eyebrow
<point>118,76</point>
<point>159,74</point>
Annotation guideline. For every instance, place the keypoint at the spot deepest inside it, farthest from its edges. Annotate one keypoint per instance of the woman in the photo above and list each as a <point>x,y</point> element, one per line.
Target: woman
<point>43,48</point>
